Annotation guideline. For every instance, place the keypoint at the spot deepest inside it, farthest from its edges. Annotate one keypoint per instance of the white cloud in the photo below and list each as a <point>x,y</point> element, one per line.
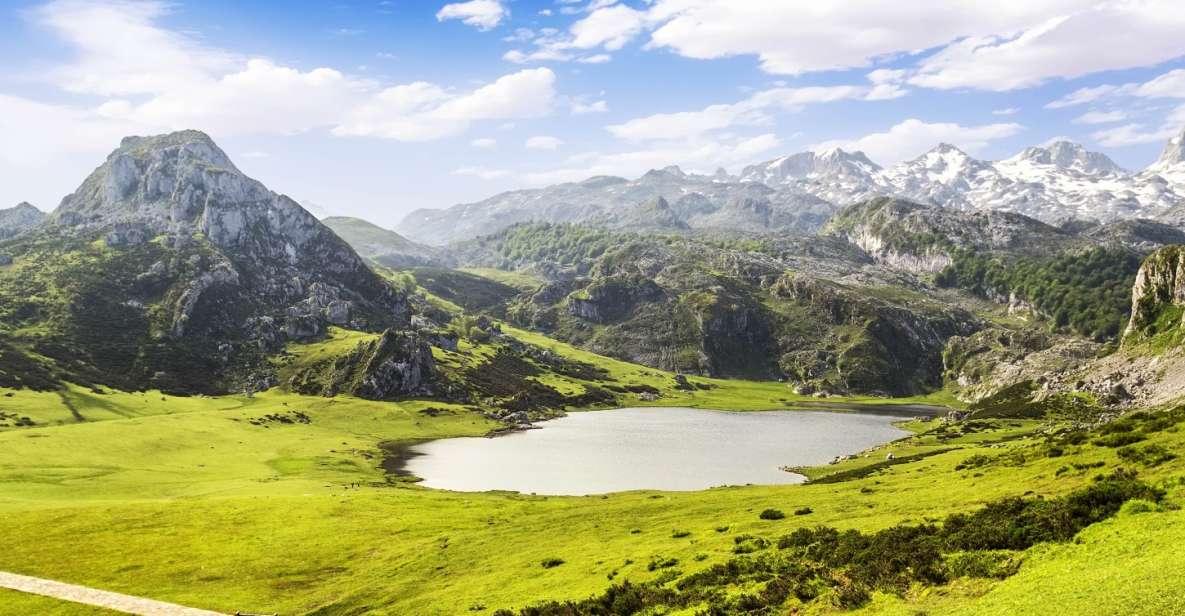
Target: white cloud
<point>610,27</point>
<point>34,132</point>
<point>484,143</point>
<point>120,50</point>
<point>481,14</point>
<point>599,58</point>
<point>484,173</point>
<point>1134,134</point>
<point>1101,117</point>
<point>884,75</point>
<point>1094,37</point>
<point>1168,85</point>
<point>753,111</point>
<point>797,37</point>
<point>699,154</point>
<point>579,107</point>
<point>1083,96</point>
<point>1000,45</point>
<point>142,78</point>
<point>1006,111</point>
<point>913,137</point>
<point>423,111</point>
<point>543,142</point>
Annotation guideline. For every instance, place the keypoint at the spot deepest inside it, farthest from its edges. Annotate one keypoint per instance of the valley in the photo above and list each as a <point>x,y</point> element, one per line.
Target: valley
<point>210,397</point>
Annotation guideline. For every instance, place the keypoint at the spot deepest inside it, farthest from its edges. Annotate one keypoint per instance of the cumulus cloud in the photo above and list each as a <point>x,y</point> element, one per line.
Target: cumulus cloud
<point>914,137</point>
<point>151,79</point>
<point>1006,111</point>
<point>481,14</point>
<point>543,142</point>
<point>484,143</point>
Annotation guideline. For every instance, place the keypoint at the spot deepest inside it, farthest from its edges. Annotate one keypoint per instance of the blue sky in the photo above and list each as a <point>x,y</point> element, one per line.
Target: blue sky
<point>374,108</point>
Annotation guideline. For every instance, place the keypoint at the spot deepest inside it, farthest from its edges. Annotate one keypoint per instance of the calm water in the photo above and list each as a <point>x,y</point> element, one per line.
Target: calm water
<point>647,448</point>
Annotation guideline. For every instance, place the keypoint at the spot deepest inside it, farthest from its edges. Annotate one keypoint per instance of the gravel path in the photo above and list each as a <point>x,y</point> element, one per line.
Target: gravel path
<point>98,598</point>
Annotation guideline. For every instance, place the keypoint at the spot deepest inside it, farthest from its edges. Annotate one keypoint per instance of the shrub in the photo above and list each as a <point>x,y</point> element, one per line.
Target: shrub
<point>1118,439</point>
<point>679,534</point>
<point>974,461</point>
<point>847,567</point>
<point>1148,455</point>
<point>803,511</point>
<point>997,564</point>
<point>549,563</point>
<point>772,514</point>
<point>659,562</point>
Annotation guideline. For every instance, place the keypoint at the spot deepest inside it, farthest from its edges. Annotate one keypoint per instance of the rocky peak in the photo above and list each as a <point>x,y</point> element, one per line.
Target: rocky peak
<point>1160,285</point>
<point>829,163</point>
<point>18,220</point>
<point>283,264</point>
<point>1173,152</point>
<point>1069,155</point>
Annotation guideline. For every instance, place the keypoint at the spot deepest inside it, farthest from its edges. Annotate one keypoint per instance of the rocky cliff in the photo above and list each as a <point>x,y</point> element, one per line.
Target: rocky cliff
<point>168,267</point>
<point>19,220</point>
<point>1158,296</point>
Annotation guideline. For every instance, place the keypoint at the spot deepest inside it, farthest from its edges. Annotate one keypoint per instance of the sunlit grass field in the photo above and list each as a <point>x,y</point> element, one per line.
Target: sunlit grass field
<point>218,503</point>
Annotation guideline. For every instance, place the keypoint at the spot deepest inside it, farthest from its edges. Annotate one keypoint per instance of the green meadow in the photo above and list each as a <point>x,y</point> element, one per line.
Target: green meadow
<point>277,503</point>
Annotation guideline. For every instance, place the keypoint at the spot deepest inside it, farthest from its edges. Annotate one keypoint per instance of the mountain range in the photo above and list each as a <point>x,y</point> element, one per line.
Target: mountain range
<point>1055,183</point>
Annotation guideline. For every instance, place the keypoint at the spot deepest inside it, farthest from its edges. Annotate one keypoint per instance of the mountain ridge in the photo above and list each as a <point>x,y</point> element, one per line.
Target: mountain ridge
<point>1055,182</point>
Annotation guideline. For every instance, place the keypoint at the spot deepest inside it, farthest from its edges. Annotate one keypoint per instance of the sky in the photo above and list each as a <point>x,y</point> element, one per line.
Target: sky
<point>375,108</point>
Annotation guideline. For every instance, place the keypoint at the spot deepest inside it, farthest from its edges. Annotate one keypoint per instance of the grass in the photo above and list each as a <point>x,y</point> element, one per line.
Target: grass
<point>519,280</point>
<point>22,604</point>
<point>187,500</point>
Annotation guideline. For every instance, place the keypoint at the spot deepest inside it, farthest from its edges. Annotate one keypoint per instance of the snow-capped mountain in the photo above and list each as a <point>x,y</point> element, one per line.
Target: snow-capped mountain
<point>835,175</point>
<point>1171,164</point>
<point>1052,183</point>
<point>667,199</point>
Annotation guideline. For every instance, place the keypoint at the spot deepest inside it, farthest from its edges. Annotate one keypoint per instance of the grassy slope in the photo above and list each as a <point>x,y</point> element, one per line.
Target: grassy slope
<point>184,500</point>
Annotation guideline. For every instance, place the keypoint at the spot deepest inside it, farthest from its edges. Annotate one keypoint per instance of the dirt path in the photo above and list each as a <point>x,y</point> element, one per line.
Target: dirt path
<point>98,598</point>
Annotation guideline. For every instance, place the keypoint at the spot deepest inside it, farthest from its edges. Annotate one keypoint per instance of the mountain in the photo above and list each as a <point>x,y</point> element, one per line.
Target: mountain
<point>692,202</point>
<point>18,220</point>
<point>833,175</point>
<point>169,267</point>
<point>1053,183</point>
<point>383,246</point>
<point>924,237</point>
<point>814,311</point>
<point>1171,164</point>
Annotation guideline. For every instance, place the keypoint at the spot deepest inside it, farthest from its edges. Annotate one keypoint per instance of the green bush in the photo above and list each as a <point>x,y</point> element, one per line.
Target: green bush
<point>1148,455</point>
<point>1088,292</point>
<point>997,564</point>
<point>549,563</point>
<point>846,567</point>
<point>772,514</point>
<point>1118,439</point>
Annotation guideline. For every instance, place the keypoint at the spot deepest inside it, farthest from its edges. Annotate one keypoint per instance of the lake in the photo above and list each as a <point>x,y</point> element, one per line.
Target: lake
<point>595,452</point>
